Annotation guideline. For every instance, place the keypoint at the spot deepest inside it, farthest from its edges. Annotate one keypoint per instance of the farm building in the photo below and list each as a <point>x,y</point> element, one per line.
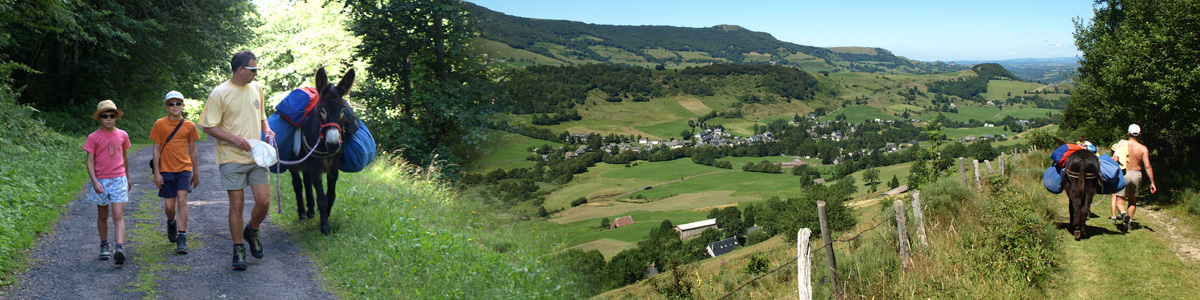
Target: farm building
<point>721,247</point>
<point>693,229</point>
<point>621,222</point>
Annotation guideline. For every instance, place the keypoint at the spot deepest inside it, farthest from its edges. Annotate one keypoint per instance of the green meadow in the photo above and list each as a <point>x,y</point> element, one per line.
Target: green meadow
<point>507,151</point>
<point>859,113</point>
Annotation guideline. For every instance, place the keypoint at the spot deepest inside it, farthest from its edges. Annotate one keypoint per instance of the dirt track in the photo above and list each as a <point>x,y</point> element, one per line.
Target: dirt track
<point>65,264</point>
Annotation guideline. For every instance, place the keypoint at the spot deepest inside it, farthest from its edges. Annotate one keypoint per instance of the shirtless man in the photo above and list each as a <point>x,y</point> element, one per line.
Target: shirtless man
<point>1139,158</point>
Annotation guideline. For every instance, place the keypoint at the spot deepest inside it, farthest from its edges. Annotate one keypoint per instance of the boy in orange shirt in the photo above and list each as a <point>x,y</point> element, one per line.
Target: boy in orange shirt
<point>107,165</point>
<point>176,166</point>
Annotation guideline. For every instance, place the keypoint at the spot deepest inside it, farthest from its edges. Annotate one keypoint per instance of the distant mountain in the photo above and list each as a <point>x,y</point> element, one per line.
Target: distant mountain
<point>524,41</point>
<point>1042,70</point>
<point>1050,60</point>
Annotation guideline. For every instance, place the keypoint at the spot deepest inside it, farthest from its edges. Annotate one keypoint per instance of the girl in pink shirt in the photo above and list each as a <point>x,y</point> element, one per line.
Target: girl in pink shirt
<point>107,166</point>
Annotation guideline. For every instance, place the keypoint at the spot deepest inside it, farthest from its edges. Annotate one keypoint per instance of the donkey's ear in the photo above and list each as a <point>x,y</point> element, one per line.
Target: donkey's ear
<point>346,82</point>
<point>322,79</point>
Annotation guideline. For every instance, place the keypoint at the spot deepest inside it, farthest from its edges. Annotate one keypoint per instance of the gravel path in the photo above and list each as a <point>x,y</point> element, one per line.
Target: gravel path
<point>65,264</point>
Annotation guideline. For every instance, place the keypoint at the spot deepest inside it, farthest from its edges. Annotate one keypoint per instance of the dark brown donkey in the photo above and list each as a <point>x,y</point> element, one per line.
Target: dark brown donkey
<point>331,121</point>
<point>1081,182</point>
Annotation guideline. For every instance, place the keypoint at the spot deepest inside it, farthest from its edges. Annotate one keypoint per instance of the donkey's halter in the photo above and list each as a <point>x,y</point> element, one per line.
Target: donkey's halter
<point>321,134</point>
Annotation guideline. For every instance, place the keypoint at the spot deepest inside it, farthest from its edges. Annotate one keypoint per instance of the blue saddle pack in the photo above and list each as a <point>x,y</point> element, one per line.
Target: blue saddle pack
<point>1112,179</point>
<point>358,149</point>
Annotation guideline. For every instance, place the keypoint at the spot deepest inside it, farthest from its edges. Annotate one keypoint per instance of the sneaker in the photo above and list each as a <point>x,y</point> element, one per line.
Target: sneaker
<point>239,257</point>
<point>181,244</point>
<point>251,237</point>
<point>119,255</point>
<point>1112,220</point>
<point>1128,221</point>
<point>105,251</point>
<point>172,231</point>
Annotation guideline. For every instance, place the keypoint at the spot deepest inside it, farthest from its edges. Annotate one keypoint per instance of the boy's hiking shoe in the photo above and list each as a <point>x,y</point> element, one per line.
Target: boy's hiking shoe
<point>119,255</point>
<point>239,257</point>
<point>181,244</point>
<point>1128,222</point>
<point>251,237</point>
<point>1112,220</point>
<point>172,231</point>
<point>105,251</point>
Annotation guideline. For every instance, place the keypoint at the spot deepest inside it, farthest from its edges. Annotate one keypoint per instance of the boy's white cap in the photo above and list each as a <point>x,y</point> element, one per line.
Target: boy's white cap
<point>1135,130</point>
<point>173,95</point>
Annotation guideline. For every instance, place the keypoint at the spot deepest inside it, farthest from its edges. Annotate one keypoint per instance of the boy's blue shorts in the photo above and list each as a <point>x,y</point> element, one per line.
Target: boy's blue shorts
<point>116,190</point>
<point>175,182</point>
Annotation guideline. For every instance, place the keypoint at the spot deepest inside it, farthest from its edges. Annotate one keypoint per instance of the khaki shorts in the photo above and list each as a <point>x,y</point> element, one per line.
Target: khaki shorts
<point>1133,181</point>
<point>235,176</point>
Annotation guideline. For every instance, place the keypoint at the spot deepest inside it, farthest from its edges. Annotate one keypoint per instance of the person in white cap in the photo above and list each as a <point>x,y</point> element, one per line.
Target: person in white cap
<point>1138,160</point>
<point>176,166</point>
<point>234,115</point>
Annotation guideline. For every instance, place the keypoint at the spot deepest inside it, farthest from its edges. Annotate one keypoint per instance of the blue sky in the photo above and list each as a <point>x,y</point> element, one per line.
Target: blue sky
<point>921,30</point>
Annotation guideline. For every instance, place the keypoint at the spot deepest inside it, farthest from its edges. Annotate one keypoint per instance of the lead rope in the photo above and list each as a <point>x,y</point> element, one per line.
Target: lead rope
<point>279,168</point>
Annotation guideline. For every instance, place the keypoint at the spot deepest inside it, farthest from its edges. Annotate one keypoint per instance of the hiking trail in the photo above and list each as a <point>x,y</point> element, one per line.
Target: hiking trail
<point>64,263</point>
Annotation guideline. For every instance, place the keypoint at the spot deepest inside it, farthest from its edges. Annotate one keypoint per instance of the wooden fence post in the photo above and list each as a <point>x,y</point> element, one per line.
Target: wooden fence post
<point>902,229</point>
<point>978,185</point>
<point>1002,164</point>
<point>827,238</point>
<point>988,163</point>
<point>962,170</point>
<point>920,216</point>
<point>804,263</point>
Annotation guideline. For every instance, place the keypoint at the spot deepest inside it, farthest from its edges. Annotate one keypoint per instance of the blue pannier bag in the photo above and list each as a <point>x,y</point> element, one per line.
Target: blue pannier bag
<point>285,139</point>
<point>1111,178</point>
<point>359,150</point>
<point>1053,180</point>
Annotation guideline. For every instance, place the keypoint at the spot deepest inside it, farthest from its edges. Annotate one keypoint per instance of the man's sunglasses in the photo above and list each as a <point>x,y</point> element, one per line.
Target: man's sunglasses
<point>173,104</point>
<point>251,69</point>
<point>108,116</point>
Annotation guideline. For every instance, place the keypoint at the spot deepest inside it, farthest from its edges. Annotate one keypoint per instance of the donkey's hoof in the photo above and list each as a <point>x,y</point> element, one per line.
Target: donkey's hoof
<point>325,229</point>
<point>302,216</point>
<point>309,215</point>
<point>1078,234</point>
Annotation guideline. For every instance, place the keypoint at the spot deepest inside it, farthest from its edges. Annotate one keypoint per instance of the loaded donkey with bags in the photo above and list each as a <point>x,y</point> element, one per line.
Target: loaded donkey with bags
<point>318,128</point>
<point>1082,174</point>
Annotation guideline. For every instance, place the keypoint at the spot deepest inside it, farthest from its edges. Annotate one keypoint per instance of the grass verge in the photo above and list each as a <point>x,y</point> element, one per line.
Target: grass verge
<point>399,232</point>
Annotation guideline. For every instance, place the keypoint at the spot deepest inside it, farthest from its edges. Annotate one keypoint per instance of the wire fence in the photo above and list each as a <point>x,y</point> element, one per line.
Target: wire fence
<point>791,262</point>
<point>882,219</point>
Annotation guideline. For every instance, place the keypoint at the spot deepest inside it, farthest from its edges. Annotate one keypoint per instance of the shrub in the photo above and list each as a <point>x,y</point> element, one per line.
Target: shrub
<point>757,237</point>
<point>758,263</point>
<point>579,201</point>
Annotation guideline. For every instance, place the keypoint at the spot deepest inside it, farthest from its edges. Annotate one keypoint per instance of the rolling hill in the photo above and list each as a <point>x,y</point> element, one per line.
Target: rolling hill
<point>524,41</point>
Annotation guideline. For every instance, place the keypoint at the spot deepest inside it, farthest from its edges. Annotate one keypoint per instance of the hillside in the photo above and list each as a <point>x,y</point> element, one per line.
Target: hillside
<point>525,41</point>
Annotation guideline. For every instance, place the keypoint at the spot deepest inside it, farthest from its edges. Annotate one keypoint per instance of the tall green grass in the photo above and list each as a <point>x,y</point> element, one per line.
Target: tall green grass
<point>41,171</point>
<point>998,243</point>
<point>401,233</point>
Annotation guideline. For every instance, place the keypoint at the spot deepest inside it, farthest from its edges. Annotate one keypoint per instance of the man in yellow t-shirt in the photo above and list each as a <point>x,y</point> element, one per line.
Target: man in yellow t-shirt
<point>233,115</point>
<point>176,167</point>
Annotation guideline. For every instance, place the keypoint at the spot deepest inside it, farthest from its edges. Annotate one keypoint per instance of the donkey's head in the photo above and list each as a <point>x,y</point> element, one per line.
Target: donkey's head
<point>333,114</point>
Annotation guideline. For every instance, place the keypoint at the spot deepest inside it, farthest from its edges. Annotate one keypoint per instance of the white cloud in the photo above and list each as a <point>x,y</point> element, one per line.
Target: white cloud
<point>1057,45</point>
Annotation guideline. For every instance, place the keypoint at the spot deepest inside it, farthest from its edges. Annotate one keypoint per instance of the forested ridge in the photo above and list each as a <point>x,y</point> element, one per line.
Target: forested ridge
<point>724,43</point>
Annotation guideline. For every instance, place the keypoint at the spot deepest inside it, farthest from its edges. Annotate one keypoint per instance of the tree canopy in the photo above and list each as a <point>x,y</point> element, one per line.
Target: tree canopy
<point>76,53</point>
<point>1139,66</point>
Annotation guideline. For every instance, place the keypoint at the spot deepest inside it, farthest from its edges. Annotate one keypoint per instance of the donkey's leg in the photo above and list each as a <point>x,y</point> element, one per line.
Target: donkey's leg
<point>331,183</point>
<point>298,187</point>
<point>310,198</point>
<point>314,178</point>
